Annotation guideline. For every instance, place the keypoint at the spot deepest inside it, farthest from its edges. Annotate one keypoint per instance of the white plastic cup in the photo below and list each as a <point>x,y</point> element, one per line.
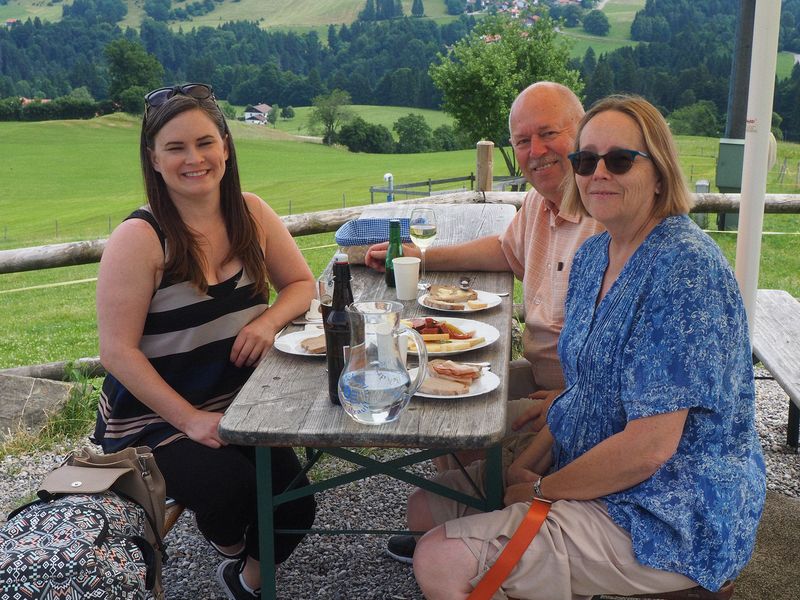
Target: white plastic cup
<point>406,276</point>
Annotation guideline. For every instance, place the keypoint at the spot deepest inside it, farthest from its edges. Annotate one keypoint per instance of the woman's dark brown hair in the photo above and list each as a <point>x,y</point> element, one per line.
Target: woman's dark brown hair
<point>183,257</point>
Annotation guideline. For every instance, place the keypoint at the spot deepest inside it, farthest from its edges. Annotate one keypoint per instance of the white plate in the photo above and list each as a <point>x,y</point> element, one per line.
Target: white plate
<point>290,343</point>
<point>484,330</point>
<point>491,300</point>
<point>487,382</point>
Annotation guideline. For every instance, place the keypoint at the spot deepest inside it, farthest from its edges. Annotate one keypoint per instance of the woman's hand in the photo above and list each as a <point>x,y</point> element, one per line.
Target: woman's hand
<point>252,343</point>
<point>202,427</point>
<point>536,415</point>
<point>520,492</point>
<point>516,474</point>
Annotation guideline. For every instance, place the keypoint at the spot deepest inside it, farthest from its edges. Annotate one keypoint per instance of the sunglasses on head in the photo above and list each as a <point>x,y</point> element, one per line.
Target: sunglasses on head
<point>617,161</point>
<point>198,91</point>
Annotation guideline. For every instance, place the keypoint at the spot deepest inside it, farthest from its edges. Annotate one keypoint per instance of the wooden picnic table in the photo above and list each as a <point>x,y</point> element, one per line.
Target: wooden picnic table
<point>285,402</point>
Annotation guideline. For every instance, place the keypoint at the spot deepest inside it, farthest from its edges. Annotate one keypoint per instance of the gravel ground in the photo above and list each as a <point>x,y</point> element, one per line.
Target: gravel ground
<point>356,567</point>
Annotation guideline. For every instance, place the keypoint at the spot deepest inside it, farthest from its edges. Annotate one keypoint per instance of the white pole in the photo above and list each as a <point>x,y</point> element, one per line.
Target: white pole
<point>756,150</point>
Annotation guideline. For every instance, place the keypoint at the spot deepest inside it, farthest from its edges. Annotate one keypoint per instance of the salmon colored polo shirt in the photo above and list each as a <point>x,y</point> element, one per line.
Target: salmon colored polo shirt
<point>539,245</point>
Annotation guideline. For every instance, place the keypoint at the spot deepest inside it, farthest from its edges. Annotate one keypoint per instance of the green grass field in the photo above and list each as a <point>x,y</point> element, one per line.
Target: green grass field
<point>620,15</point>
<point>297,15</point>
<point>784,65</point>
<point>380,115</point>
<point>87,176</point>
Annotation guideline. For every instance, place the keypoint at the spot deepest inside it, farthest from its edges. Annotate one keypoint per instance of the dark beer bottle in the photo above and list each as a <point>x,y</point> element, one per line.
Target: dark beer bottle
<point>337,325</point>
<point>394,250</point>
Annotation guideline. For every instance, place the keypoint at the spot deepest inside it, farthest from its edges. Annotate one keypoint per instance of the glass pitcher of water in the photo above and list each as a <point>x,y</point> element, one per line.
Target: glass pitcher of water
<point>375,386</point>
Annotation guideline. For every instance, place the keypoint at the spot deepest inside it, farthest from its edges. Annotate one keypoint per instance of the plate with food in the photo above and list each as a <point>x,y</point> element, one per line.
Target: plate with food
<point>444,337</point>
<point>450,379</point>
<point>450,298</point>
<point>303,343</point>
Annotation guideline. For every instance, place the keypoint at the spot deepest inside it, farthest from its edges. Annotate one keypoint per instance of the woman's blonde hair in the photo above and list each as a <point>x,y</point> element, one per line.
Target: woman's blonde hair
<point>673,197</point>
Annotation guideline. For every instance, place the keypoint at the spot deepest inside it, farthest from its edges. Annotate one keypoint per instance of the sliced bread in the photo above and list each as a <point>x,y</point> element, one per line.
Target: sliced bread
<point>314,345</point>
<point>433,303</point>
<point>451,293</point>
<point>437,386</point>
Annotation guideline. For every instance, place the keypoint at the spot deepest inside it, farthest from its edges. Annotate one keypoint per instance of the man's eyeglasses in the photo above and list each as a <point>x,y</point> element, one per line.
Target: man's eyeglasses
<point>199,91</point>
<point>617,162</point>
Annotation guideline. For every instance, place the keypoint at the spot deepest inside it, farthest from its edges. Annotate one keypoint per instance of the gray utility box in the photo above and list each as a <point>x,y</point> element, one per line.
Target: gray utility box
<point>729,177</point>
<point>701,186</point>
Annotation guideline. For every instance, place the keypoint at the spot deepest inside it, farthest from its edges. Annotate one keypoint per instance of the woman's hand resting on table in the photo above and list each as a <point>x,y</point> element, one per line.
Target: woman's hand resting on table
<point>536,415</point>
<point>202,427</point>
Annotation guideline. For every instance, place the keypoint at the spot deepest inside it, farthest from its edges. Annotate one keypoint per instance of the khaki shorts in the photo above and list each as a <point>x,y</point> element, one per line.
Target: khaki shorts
<point>579,552</point>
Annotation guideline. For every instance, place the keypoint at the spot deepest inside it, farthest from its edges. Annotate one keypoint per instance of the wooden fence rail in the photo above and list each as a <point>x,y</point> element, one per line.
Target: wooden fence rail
<point>76,253</point>
<point>79,253</point>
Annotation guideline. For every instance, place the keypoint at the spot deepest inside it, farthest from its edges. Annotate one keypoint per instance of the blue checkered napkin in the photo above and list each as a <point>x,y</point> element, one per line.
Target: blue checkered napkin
<point>360,232</point>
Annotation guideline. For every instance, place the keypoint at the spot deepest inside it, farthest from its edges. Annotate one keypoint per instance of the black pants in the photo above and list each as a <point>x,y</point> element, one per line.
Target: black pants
<point>219,485</point>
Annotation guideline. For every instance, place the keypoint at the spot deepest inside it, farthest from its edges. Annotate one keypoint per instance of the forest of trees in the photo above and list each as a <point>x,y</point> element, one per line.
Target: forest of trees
<point>377,62</point>
<point>681,63</point>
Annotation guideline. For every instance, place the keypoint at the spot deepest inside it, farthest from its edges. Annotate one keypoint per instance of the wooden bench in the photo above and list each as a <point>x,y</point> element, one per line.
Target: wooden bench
<point>695,593</point>
<point>172,511</point>
<point>776,343</point>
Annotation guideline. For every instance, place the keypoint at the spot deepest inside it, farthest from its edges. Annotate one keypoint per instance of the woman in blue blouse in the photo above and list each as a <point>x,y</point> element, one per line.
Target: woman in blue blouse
<point>650,454</point>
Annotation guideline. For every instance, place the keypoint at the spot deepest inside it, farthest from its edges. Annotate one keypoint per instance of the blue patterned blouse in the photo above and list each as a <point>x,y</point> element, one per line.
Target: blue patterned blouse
<point>670,334</point>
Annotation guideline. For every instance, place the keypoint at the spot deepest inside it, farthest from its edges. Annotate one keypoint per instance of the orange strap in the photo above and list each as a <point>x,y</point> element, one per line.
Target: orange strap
<point>512,552</point>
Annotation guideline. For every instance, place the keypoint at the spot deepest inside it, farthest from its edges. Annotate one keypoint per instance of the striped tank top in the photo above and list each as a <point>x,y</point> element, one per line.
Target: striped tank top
<point>188,338</point>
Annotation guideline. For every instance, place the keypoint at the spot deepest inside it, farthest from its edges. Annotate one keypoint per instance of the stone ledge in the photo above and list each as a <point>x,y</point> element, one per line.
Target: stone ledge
<point>27,402</point>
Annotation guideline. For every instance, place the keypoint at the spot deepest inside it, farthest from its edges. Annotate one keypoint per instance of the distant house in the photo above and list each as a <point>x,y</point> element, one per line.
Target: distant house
<point>25,101</point>
<point>257,113</point>
<point>11,22</point>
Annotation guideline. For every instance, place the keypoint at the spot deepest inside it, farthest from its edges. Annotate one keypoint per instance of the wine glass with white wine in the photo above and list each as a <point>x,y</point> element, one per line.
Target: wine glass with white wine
<point>422,228</point>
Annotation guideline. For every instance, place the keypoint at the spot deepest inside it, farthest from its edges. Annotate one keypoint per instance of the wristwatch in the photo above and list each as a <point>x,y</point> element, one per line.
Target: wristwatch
<point>537,488</point>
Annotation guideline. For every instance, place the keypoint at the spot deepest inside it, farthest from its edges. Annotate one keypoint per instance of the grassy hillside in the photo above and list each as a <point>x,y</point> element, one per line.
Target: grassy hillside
<point>785,64</point>
<point>620,15</point>
<point>283,14</point>
<point>73,180</point>
<point>92,174</point>
<point>380,115</point>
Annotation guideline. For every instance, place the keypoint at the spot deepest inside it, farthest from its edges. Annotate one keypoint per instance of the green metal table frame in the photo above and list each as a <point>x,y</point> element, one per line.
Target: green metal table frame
<point>368,467</point>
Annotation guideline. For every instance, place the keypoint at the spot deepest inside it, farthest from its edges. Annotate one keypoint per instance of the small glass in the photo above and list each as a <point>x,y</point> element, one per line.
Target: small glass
<point>422,228</point>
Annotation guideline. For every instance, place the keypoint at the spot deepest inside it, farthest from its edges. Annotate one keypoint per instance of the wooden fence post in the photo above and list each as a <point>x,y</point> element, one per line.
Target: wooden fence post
<point>484,168</point>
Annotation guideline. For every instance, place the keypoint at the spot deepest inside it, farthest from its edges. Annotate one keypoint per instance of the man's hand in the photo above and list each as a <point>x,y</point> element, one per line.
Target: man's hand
<point>536,415</point>
<point>376,255</point>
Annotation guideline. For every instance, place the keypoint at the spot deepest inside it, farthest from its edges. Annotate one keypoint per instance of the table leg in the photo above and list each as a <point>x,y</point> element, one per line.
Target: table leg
<point>793,429</point>
<point>494,477</point>
<point>266,523</point>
